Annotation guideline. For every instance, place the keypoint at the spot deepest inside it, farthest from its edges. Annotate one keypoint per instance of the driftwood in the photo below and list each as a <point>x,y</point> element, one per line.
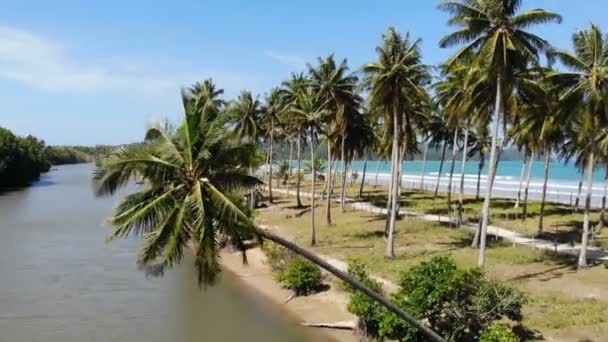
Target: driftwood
<point>292,296</point>
<point>343,325</point>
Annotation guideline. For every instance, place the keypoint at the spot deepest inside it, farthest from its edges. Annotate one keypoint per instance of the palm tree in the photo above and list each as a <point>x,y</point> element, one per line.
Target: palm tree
<point>397,72</point>
<point>586,88</point>
<point>480,145</point>
<point>439,136</point>
<point>245,113</point>
<point>542,115</point>
<point>311,113</point>
<point>337,89</point>
<point>495,33</point>
<point>193,177</point>
<point>271,114</point>
<point>289,91</point>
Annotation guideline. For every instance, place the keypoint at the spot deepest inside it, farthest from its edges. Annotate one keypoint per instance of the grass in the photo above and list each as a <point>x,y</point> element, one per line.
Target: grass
<point>562,300</point>
<point>561,223</point>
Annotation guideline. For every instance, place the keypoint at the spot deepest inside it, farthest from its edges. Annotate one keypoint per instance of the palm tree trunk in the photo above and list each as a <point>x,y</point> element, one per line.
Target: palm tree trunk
<point>582,258</point>
<point>449,197</point>
<point>289,170</point>
<point>544,197</point>
<point>521,177</point>
<point>578,194</point>
<point>482,162</point>
<point>344,167</point>
<point>527,188</point>
<point>363,178</point>
<point>491,173</point>
<point>603,212</point>
<point>377,171</point>
<point>270,161</point>
<point>313,239</point>
<point>299,177</point>
<point>334,175</point>
<point>462,171</point>
<point>328,182</point>
<point>352,281</point>
<point>390,244</point>
<point>389,203</point>
<point>426,148</point>
<point>445,145</point>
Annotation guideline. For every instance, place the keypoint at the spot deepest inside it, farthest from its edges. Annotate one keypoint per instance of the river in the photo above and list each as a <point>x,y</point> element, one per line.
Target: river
<point>60,281</point>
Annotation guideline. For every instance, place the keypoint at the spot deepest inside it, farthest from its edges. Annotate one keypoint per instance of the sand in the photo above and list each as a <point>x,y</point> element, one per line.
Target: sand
<point>325,307</point>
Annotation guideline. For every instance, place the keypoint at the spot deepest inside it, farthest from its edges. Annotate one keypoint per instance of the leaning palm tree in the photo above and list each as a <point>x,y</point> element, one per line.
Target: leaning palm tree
<point>190,199</point>
<point>495,33</point>
<point>586,89</point>
<point>245,114</point>
<point>397,72</point>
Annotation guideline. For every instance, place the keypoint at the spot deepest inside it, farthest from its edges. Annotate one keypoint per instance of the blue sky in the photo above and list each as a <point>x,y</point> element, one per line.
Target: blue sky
<point>96,72</point>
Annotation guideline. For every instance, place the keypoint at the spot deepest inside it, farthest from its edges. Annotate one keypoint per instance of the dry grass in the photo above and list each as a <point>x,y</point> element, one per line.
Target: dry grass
<point>564,303</point>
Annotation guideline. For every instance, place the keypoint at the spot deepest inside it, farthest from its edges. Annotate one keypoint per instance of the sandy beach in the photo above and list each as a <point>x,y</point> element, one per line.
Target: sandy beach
<point>326,307</point>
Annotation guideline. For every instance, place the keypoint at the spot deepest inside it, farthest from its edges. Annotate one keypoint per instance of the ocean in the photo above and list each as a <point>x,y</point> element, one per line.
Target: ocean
<point>562,185</point>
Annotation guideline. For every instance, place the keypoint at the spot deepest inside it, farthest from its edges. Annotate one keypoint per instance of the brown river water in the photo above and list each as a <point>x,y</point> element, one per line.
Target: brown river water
<point>60,281</point>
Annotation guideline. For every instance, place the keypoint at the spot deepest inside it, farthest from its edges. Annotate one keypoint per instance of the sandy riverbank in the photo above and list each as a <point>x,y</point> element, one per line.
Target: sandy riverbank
<point>327,306</point>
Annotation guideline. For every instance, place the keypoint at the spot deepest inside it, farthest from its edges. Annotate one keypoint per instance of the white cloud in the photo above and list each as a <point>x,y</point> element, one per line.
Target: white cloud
<point>289,60</point>
<point>46,64</point>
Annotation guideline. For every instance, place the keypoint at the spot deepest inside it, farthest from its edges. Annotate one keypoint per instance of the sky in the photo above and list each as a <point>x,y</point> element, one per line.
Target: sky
<point>97,72</point>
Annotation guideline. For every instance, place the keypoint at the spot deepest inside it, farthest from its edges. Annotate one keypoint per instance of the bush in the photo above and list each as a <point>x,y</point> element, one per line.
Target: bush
<point>498,333</point>
<point>455,303</point>
<point>277,257</point>
<point>301,276</point>
<point>368,311</point>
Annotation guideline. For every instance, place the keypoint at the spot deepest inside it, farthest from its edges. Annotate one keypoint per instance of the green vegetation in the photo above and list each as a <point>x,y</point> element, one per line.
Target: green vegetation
<point>22,160</point>
<point>458,304</point>
<point>197,176</point>
<point>498,333</point>
<point>556,292</point>
<point>368,312</point>
<point>301,276</point>
<point>59,155</point>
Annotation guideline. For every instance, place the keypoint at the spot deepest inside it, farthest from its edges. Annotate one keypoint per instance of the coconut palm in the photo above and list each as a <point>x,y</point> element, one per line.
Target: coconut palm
<point>541,124</point>
<point>439,137</point>
<point>495,33</point>
<point>397,72</point>
<point>311,113</point>
<point>289,91</point>
<point>271,114</point>
<point>337,89</point>
<point>245,113</point>
<point>586,89</point>
<point>193,178</point>
<point>480,145</point>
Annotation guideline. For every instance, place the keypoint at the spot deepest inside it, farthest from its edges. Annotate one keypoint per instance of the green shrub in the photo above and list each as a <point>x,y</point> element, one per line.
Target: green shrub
<point>498,333</point>
<point>277,257</point>
<point>301,276</point>
<point>458,304</point>
<point>368,311</point>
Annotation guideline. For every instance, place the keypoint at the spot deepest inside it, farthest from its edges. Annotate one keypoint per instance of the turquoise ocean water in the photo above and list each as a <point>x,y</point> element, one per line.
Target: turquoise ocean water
<point>558,171</point>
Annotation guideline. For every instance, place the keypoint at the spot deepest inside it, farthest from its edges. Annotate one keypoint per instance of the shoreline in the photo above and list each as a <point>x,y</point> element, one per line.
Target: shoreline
<point>325,307</point>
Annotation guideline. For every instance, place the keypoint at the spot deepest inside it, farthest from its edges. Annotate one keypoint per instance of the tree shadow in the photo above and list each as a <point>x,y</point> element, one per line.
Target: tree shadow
<point>369,234</point>
<point>527,334</point>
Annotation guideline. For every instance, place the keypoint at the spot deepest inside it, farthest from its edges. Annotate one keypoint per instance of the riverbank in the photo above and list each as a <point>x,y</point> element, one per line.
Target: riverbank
<point>325,307</point>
